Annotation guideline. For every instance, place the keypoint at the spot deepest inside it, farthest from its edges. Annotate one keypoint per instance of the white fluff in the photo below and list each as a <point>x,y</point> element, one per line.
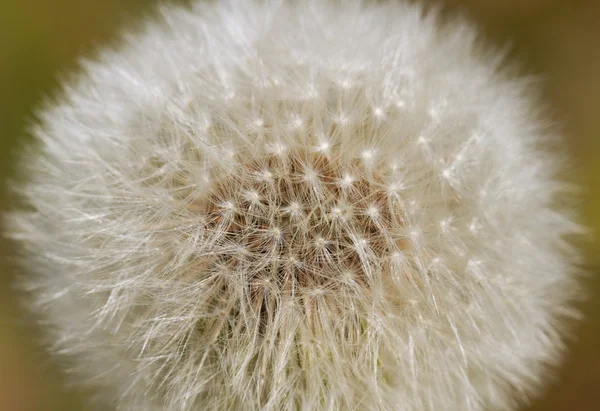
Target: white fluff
<point>310,205</point>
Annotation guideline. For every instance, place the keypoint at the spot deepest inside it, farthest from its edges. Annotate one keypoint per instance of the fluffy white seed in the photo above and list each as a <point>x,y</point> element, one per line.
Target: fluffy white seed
<point>311,205</point>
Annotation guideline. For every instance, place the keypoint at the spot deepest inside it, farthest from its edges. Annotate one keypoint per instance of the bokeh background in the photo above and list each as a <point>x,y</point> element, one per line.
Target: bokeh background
<point>556,40</point>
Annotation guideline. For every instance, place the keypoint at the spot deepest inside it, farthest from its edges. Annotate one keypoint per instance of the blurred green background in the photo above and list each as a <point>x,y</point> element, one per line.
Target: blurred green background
<point>559,40</point>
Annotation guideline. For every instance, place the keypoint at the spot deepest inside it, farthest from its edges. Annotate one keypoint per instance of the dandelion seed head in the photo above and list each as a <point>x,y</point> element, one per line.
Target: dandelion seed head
<point>202,232</point>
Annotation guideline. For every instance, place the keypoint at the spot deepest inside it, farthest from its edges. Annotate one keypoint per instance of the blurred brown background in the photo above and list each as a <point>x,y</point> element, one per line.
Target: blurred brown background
<point>559,40</point>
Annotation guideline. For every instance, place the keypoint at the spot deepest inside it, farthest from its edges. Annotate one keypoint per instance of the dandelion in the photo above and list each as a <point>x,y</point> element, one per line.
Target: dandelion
<point>313,205</point>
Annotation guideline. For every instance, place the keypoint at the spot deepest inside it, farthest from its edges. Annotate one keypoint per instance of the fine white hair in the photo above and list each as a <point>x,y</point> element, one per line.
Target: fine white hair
<point>298,205</point>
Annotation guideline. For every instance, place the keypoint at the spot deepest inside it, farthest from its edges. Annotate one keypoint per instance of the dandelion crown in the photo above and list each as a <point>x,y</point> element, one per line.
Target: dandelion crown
<point>310,205</point>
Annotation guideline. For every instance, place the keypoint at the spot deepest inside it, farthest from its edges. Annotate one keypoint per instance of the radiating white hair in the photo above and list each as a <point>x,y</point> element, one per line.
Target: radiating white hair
<point>309,205</point>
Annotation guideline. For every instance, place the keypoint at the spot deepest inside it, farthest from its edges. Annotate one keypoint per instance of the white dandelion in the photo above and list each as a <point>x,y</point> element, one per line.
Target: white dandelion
<point>311,205</point>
